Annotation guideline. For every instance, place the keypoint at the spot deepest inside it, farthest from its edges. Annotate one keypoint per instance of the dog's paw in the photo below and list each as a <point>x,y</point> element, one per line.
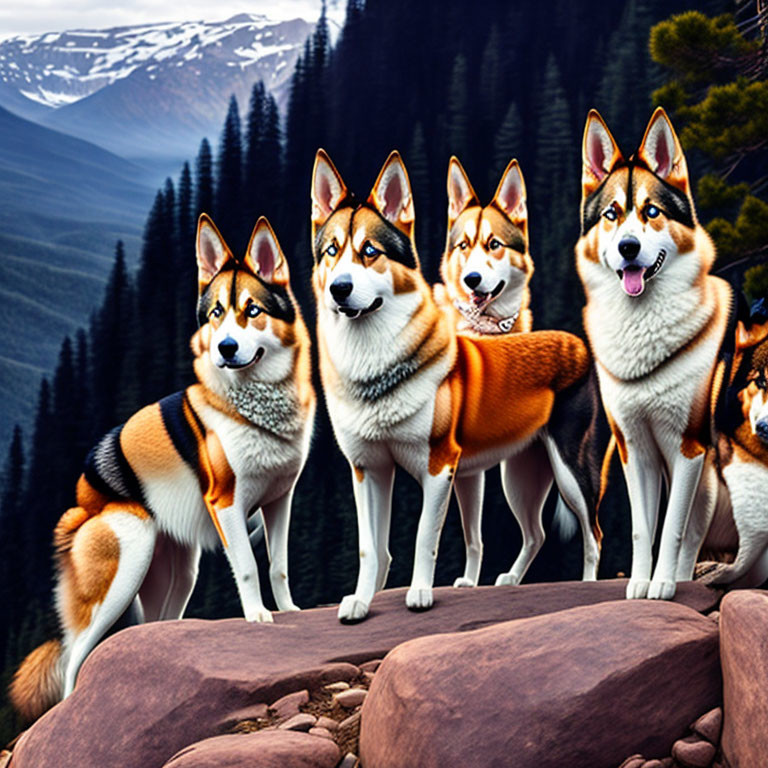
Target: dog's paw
<point>419,599</point>
<point>260,614</point>
<point>463,581</point>
<point>507,580</point>
<point>289,607</point>
<point>662,590</point>
<point>352,609</point>
<point>637,589</point>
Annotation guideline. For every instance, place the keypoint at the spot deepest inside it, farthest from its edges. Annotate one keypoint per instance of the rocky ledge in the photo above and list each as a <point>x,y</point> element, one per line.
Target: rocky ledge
<point>539,675</point>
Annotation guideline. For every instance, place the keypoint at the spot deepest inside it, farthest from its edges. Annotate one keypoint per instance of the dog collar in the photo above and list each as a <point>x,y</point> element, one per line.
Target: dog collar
<point>485,324</point>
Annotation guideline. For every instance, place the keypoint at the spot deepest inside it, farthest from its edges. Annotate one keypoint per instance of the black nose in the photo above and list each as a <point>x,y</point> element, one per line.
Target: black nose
<point>228,347</point>
<point>762,430</point>
<point>472,280</point>
<point>629,247</point>
<point>341,287</point>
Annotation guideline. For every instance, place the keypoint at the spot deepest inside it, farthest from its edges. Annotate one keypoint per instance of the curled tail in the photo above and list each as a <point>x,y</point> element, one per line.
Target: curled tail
<point>39,681</point>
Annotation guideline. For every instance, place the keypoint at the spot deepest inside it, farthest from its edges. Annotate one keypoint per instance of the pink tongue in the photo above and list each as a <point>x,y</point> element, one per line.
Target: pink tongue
<point>632,281</point>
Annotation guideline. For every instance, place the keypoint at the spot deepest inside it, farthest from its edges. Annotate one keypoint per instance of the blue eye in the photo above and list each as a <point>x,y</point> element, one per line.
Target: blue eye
<point>252,310</point>
<point>217,311</point>
<point>652,211</point>
<point>370,251</point>
<point>610,214</point>
<point>494,244</point>
<point>331,250</point>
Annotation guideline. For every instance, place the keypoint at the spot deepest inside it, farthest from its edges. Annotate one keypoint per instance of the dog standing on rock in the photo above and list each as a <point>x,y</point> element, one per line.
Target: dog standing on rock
<point>185,473</point>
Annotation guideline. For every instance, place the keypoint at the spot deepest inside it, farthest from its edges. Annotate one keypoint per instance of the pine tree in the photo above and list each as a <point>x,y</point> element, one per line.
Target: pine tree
<point>418,170</point>
<point>457,129</point>
<point>229,180</point>
<point>185,224</point>
<point>203,181</point>
<point>270,184</point>
<point>507,143</point>
<point>254,154</point>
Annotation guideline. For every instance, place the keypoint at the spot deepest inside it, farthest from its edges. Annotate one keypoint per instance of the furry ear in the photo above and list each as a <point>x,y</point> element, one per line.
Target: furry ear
<point>662,152</point>
<point>600,153</point>
<point>212,252</point>
<point>391,194</point>
<point>264,256</point>
<point>510,196</point>
<point>460,192</point>
<point>328,189</point>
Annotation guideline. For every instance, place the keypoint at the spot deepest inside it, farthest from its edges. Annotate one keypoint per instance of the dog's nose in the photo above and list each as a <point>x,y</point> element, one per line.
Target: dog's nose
<point>228,348</point>
<point>341,287</point>
<point>761,428</point>
<point>629,247</point>
<point>472,280</point>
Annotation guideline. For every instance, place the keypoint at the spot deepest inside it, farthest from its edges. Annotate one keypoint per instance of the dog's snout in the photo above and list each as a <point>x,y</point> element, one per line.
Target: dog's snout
<point>341,287</point>
<point>629,247</point>
<point>472,280</point>
<point>761,429</point>
<point>228,348</point>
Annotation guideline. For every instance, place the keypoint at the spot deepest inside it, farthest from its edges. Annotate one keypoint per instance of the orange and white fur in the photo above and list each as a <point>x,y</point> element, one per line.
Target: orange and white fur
<point>184,473</point>
<point>655,320</point>
<point>404,389</point>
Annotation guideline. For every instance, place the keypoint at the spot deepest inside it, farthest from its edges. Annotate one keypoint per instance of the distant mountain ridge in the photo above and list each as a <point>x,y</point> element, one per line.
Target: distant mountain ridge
<point>149,91</point>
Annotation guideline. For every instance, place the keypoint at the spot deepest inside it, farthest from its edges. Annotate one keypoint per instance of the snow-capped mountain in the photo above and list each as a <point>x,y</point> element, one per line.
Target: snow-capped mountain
<point>150,91</point>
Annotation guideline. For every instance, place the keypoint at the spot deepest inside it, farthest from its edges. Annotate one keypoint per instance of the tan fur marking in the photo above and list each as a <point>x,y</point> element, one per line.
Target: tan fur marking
<point>359,474</point>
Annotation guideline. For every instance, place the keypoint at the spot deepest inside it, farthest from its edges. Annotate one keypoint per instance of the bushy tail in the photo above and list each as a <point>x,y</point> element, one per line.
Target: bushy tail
<point>39,681</point>
<point>564,523</point>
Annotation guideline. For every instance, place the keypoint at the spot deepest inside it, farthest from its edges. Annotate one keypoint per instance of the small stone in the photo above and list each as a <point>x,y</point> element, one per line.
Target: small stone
<point>323,733</point>
<point>652,764</point>
<point>635,761</point>
<point>368,677</point>
<point>352,698</point>
<point>370,666</point>
<point>715,616</point>
<point>328,723</point>
<point>693,752</point>
<point>350,761</point>
<point>350,722</point>
<point>668,762</point>
<point>710,725</point>
<point>301,722</point>
<point>334,687</point>
<point>5,758</point>
<point>288,706</point>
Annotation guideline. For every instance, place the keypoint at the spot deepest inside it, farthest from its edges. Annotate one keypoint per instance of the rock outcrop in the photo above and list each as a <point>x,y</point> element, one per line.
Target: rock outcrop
<point>149,693</point>
<point>582,687</point>
<point>744,654</point>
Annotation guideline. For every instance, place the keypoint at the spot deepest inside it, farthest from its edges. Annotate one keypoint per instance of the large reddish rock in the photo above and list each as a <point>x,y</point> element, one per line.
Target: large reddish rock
<point>150,691</point>
<point>583,687</point>
<point>264,749</point>
<point>744,657</point>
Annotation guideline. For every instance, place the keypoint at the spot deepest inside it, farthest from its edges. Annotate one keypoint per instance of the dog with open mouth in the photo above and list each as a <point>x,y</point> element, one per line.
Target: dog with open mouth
<point>656,321</point>
<point>185,473</point>
<point>403,388</point>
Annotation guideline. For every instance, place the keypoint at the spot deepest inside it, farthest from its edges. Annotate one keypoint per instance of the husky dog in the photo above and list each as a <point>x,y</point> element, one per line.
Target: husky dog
<point>486,266</point>
<point>656,321</point>
<point>486,269</point>
<point>403,388</point>
<point>185,472</point>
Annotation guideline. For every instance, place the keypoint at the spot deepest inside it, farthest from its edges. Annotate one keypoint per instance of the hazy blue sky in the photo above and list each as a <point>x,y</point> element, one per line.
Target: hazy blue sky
<point>20,16</point>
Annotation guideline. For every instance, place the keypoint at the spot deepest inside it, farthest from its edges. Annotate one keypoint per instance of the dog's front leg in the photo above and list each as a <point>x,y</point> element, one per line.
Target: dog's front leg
<point>644,485</point>
<point>470,490</point>
<point>686,474</point>
<point>237,546</point>
<point>437,493</point>
<point>277,518</point>
<point>373,501</point>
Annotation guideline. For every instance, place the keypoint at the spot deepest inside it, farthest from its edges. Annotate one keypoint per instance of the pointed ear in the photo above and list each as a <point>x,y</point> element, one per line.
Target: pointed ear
<point>460,192</point>
<point>212,252</point>
<point>328,189</point>
<point>391,194</point>
<point>600,153</point>
<point>662,152</point>
<point>510,196</point>
<point>264,256</point>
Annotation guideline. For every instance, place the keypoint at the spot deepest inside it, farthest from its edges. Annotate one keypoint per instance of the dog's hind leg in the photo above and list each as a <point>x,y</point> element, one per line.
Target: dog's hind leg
<point>748,486</point>
<point>373,498</point>
<point>108,560</point>
<point>470,490</point>
<point>169,582</point>
<point>526,479</point>
<point>277,517</point>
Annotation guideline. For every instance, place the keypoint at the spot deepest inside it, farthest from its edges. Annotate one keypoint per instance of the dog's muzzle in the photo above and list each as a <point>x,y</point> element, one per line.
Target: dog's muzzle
<point>353,314</point>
